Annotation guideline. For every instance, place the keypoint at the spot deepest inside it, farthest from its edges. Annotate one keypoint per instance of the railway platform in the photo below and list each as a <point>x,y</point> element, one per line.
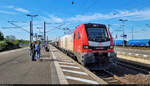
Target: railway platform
<point>54,67</point>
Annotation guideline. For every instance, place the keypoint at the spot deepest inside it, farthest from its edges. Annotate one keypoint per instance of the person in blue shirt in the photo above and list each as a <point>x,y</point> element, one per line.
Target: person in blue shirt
<point>37,50</point>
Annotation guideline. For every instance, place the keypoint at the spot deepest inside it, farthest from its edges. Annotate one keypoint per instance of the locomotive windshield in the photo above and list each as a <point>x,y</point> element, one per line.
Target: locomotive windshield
<point>97,34</point>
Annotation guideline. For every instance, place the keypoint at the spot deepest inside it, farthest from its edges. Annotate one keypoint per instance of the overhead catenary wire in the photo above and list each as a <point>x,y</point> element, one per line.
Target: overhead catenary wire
<point>16,26</point>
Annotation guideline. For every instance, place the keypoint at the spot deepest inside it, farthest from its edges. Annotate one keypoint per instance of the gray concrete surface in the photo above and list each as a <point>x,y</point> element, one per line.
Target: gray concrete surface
<point>16,68</point>
<point>134,52</point>
<point>146,52</point>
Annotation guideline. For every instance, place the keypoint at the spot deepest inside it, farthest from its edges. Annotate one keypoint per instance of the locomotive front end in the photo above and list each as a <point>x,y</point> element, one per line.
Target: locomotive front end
<point>99,50</point>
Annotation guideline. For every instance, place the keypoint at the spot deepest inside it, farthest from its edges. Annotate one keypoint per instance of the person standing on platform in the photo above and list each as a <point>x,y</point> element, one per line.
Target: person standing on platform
<point>37,50</point>
<point>32,53</point>
<point>46,47</point>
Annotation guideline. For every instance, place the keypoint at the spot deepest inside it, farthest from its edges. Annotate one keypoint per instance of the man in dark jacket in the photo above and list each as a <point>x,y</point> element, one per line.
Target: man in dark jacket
<point>33,51</point>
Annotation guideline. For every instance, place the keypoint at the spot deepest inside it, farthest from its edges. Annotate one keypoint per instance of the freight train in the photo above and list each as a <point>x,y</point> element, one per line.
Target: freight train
<point>91,44</point>
<point>133,43</point>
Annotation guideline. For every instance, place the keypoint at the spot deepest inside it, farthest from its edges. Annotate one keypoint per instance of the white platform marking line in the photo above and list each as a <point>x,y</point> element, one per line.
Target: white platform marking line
<point>82,80</point>
<point>145,55</point>
<point>137,54</point>
<point>70,66</point>
<point>60,74</point>
<point>77,72</point>
<point>66,63</point>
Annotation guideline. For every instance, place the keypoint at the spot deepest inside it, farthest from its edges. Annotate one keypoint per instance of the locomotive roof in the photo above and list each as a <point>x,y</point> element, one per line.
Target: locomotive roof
<point>96,25</point>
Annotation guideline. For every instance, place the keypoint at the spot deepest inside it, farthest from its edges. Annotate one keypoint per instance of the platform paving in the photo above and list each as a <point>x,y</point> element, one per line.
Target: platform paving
<point>17,68</point>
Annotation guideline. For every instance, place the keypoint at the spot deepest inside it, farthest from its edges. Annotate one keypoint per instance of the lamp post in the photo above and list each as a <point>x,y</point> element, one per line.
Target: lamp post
<point>44,31</point>
<point>31,26</point>
<point>31,16</point>
<point>31,29</point>
<point>123,20</point>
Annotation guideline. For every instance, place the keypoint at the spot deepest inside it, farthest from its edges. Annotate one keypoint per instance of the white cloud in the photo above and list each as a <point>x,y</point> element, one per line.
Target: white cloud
<point>87,17</point>
<point>22,10</point>
<point>6,12</point>
<point>131,15</point>
<point>52,18</point>
<point>135,15</point>
<point>16,9</point>
<point>55,19</point>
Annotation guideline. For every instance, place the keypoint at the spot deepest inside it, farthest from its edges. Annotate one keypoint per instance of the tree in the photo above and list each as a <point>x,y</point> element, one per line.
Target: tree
<point>10,38</point>
<point>1,36</point>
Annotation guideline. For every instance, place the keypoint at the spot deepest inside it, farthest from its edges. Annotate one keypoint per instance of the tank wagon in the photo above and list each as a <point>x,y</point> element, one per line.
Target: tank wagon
<point>134,43</point>
<point>91,44</point>
<point>140,42</point>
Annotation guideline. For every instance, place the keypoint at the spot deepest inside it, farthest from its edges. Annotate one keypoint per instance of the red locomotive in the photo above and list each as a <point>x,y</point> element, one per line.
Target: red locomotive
<point>91,44</point>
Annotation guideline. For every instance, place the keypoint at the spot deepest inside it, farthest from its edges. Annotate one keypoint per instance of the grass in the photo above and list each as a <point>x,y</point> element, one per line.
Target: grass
<point>25,47</point>
<point>14,48</point>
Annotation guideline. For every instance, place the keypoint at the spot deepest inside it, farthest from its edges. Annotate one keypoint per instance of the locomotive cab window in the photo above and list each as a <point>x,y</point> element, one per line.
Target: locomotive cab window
<point>74,35</point>
<point>78,35</point>
<point>98,34</point>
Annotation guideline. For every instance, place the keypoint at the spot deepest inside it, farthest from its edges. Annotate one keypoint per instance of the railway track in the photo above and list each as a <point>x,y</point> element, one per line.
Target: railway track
<point>107,76</point>
<point>110,78</point>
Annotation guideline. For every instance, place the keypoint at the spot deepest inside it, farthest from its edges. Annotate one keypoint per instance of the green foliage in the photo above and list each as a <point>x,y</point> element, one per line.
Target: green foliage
<point>25,41</point>
<point>10,42</point>
<point>10,38</point>
<point>16,42</point>
<point>3,45</point>
<point>1,36</point>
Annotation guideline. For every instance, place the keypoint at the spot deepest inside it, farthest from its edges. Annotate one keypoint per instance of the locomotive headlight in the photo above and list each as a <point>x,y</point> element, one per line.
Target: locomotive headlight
<point>85,46</point>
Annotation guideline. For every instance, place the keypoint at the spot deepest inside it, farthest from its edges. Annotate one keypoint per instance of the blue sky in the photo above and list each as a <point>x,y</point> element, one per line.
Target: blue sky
<point>137,12</point>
